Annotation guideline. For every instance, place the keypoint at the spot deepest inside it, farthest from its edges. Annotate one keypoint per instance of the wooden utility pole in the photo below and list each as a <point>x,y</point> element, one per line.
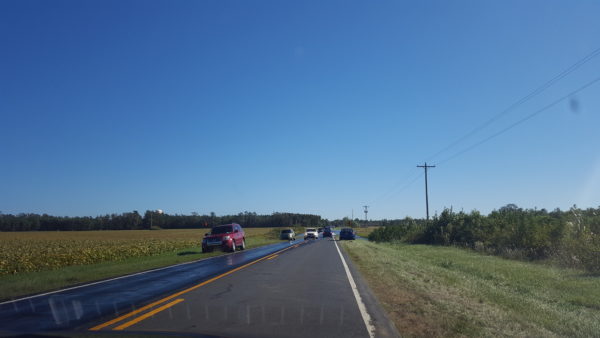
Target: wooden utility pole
<point>426,193</point>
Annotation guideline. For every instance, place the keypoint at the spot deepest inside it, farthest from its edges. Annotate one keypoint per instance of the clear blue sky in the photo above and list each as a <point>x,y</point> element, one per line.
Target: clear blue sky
<point>302,106</point>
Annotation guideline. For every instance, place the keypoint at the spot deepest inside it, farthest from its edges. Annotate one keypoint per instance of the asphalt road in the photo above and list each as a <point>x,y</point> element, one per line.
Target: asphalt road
<point>302,289</point>
<point>304,292</point>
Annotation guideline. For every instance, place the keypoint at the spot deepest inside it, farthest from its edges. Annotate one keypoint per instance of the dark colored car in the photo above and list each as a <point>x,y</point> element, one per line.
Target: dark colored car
<point>347,233</point>
<point>229,237</point>
<point>320,230</point>
<point>327,233</point>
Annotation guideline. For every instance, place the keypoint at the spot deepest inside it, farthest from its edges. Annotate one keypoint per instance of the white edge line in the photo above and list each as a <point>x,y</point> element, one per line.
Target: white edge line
<point>120,277</point>
<point>361,306</point>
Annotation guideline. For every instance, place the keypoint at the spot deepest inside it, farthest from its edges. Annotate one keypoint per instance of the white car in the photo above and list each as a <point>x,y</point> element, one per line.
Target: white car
<point>311,233</point>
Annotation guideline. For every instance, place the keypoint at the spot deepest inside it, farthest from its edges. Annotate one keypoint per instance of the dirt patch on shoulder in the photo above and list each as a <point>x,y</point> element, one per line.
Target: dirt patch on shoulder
<point>409,314</point>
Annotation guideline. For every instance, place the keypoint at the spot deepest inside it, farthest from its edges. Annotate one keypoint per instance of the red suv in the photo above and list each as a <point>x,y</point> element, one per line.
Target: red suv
<point>227,237</point>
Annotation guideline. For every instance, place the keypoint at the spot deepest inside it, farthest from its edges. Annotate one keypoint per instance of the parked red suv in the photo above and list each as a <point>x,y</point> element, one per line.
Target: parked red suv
<point>229,237</point>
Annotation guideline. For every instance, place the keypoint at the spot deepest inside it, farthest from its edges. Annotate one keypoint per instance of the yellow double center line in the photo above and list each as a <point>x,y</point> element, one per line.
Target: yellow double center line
<point>148,314</point>
<point>175,295</point>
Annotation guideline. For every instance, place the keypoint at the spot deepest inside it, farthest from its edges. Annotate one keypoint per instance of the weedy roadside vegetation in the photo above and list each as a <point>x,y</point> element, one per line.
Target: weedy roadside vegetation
<point>564,238</point>
<point>444,291</point>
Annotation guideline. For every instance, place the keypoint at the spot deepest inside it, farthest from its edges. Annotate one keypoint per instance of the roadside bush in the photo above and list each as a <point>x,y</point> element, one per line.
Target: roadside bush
<point>407,230</point>
<point>580,248</point>
<point>570,238</point>
<point>388,234</point>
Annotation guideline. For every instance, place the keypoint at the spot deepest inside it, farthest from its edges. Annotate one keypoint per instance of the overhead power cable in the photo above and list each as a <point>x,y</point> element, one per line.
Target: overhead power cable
<point>524,99</point>
<point>524,119</point>
<point>400,186</point>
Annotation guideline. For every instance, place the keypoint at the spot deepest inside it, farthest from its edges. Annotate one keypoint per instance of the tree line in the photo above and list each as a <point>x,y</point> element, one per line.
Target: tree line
<point>569,238</point>
<point>151,220</point>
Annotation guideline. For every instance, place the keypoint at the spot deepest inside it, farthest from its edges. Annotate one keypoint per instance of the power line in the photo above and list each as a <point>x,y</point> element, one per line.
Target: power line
<point>528,117</point>
<point>400,183</point>
<point>404,187</point>
<point>524,99</point>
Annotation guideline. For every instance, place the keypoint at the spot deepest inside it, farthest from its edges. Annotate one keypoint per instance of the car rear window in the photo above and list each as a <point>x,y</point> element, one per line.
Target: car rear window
<point>311,229</point>
<point>286,232</point>
<point>221,230</point>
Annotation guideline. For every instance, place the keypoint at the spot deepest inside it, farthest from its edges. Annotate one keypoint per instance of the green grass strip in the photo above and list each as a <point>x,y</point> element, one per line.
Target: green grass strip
<point>447,291</point>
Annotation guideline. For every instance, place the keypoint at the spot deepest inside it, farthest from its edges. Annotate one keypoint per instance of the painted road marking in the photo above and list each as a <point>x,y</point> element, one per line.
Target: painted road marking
<point>272,257</point>
<point>147,314</point>
<point>361,306</point>
<point>160,301</point>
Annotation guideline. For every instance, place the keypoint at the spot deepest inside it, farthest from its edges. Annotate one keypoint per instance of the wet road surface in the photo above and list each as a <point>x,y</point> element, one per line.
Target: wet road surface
<point>297,293</point>
<point>70,308</point>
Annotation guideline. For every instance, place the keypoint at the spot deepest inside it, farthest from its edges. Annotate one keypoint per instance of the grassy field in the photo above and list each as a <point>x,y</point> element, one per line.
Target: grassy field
<point>446,291</point>
<point>33,262</point>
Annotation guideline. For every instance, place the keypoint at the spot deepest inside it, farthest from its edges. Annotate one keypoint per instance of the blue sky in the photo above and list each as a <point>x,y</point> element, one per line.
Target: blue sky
<point>301,106</point>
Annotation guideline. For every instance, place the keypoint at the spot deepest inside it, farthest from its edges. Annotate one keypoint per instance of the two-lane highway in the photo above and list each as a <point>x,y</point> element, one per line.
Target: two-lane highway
<point>296,293</point>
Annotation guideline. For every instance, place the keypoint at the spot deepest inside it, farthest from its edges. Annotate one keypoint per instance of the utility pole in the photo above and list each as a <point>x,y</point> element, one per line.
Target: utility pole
<point>426,193</point>
<point>366,211</point>
<point>352,214</point>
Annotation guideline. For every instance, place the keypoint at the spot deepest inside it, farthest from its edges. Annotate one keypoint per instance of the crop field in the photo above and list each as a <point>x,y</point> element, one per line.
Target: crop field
<point>39,251</point>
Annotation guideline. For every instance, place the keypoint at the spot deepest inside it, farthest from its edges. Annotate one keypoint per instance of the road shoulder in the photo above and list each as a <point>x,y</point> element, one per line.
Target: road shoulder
<point>384,327</point>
